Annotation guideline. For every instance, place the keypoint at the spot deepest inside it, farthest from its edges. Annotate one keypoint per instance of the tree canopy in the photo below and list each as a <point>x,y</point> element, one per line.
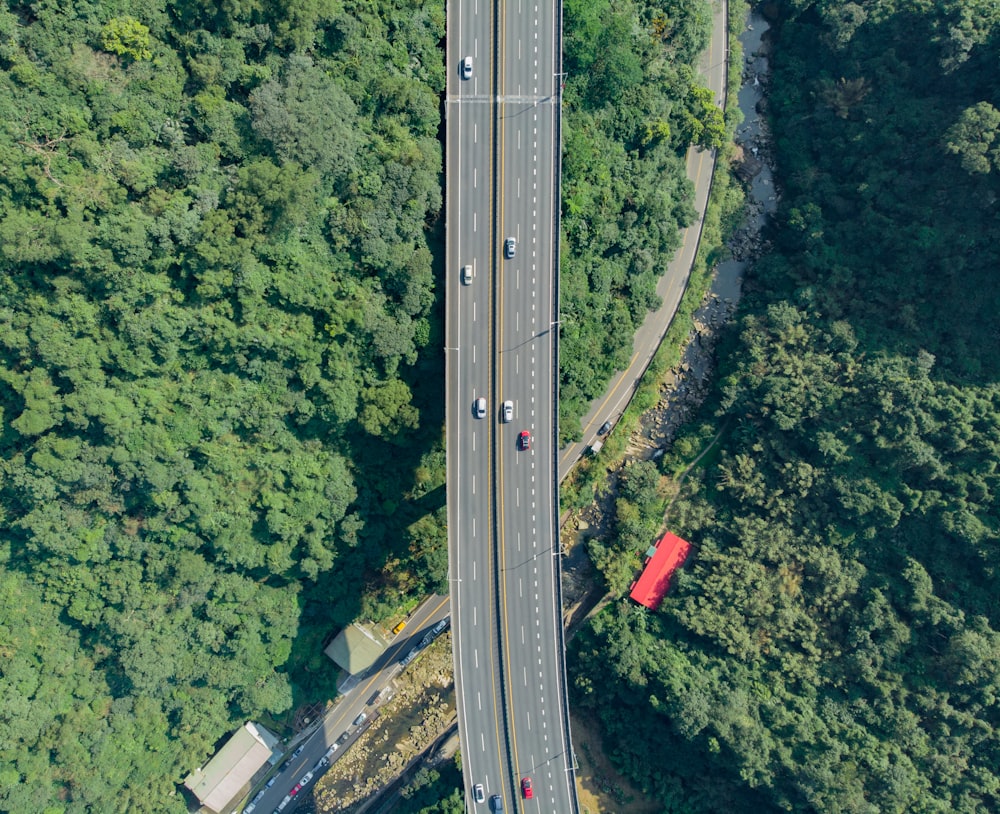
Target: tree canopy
<point>633,106</point>
<point>833,644</point>
<point>219,440</point>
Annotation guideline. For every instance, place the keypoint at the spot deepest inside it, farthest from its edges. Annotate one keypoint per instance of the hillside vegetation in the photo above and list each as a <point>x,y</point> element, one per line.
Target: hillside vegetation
<point>834,645</point>
<point>215,282</point>
<point>220,406</point>
<point>633,106</point>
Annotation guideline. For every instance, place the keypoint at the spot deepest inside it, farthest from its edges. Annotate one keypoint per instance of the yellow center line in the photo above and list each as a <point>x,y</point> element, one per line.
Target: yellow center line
<point>495,290</point>
<point>607,399</point>
<point>501,543</point>
<point>501,530</point>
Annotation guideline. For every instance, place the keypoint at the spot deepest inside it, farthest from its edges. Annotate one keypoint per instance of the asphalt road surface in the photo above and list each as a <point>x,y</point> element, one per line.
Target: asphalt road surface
<point>526,492</point>
<point>472,241</point>
<point>502,158</point>
<point>502,164</point>
<point>337,726</point>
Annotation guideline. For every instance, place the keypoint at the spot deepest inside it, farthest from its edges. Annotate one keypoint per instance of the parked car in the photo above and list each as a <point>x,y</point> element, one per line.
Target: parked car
<point>605,428</point>
<point>360,719</point>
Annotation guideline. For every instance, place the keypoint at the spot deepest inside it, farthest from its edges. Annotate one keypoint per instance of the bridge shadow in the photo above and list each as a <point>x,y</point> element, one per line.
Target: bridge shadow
<point>432,501</point>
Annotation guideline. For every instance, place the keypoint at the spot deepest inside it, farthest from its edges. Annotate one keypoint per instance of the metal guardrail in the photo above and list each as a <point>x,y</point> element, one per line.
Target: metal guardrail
<point>557,232</point>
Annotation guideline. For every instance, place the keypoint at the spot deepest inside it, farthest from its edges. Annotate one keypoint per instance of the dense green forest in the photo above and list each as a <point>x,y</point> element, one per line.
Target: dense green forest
<point>834,644</point>
<point>433,791</point>
<point>632,106</point>
<point>220,236</point>
<point>216,232</point>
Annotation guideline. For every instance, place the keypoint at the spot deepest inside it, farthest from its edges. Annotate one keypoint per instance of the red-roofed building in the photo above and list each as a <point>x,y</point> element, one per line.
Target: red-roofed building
<point>666,557</point>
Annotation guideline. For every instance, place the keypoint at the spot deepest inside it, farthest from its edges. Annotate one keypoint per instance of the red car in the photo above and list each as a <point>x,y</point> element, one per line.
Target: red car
<point>526,788</point>
<point>524,442</point>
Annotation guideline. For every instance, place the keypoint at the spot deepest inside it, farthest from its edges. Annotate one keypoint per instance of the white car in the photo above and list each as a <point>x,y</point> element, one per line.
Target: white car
<point>466,275</point>
<point>478,794</point>
<point>510,247</point>
<point>508,412</point>
<point>480,407</point>
<point>467,68</point>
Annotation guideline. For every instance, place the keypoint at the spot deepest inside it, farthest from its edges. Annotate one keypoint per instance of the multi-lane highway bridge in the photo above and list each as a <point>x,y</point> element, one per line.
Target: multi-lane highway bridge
<point>503,152</point>
<point>502,360</point>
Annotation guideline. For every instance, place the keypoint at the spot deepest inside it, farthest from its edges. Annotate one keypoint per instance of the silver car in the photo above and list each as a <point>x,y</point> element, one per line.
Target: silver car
<point>510,247</point>
<point>480,407</point>
<point>467,275</point>
<point>508,411</point>
<point>467,68</point>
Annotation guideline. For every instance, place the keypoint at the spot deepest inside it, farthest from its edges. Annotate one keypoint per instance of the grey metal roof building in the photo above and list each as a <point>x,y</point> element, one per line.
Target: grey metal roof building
<point>221,779</point>
<point>354,649</point>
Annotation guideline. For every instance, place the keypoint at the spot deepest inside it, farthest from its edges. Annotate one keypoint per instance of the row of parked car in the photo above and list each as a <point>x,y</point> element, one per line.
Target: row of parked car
<point>324,761</point>
<point>429,637</point>
<point>304,781</point>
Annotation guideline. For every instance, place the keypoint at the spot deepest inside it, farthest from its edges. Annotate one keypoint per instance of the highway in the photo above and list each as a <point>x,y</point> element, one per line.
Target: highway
<point>468,369</point>
<point>502,165</point>
<point>502,159</point>
<point>526,491</point>
<point>502,154</point>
